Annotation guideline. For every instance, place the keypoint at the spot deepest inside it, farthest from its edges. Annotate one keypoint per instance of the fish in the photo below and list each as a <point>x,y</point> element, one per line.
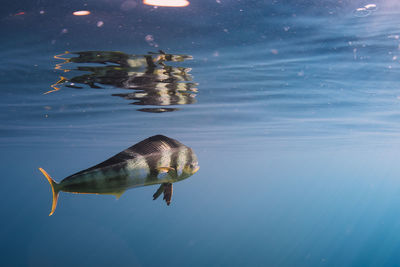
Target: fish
<point>155,160</point>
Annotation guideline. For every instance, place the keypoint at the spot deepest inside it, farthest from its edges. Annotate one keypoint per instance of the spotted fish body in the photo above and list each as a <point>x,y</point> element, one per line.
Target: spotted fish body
<point>155,160</point>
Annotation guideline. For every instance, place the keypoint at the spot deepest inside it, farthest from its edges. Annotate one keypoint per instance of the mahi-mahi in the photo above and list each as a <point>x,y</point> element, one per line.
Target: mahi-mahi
<point>155,160</point>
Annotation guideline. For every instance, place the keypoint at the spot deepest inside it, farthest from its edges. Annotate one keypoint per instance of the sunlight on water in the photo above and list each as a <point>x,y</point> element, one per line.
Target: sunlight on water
<point>362,12</point>
<point>365,11</point>
<point>81,13</point>
<point>167,3</point>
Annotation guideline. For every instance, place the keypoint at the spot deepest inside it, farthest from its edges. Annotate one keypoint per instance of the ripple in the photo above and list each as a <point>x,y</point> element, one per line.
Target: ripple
<point>154,82</point>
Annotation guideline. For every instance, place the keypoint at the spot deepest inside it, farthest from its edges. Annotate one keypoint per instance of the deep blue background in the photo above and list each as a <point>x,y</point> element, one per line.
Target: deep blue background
<point>296,127</point>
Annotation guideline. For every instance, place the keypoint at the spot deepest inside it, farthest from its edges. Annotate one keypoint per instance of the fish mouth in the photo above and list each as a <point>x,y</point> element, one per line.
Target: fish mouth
<point>196,169</point>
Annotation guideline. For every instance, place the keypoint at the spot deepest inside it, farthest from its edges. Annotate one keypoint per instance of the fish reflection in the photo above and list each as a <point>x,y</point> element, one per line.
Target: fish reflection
<point>154,82</point>
<point>155,160</point>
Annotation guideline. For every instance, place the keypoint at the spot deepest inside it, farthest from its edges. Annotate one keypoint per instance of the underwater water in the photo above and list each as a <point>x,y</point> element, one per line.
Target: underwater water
<point>292,108</point>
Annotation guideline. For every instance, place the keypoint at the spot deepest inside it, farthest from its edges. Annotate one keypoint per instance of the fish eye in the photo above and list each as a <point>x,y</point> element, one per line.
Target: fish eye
<point>193,165</point>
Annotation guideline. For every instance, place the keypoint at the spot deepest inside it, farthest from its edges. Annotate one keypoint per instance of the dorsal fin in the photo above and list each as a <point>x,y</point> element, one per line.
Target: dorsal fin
<point>154,144</point>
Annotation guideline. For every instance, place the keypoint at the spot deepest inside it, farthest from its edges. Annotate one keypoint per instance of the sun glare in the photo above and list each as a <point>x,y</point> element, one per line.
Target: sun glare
<point>81,13</point>
<point>169,3</point>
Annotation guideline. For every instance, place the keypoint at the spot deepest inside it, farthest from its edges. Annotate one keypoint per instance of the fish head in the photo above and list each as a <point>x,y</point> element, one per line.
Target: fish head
<point>190,168</point>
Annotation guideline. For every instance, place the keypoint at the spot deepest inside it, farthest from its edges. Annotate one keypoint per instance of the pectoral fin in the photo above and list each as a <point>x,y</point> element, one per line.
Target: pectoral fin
<point>165,169</point>
<point>168,193</point>
<point>158,192</point>
<point>171,171</point>
<point>165,188</point>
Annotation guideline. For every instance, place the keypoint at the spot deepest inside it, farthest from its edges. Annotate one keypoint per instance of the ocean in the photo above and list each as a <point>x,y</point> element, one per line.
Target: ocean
<point>292,108</point>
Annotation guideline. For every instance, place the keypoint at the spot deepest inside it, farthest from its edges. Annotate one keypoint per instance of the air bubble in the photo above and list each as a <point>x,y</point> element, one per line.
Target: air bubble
<point>361,12</point>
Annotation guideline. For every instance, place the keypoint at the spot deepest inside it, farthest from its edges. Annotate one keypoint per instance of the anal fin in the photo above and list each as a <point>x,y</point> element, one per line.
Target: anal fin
<point>117,194</point>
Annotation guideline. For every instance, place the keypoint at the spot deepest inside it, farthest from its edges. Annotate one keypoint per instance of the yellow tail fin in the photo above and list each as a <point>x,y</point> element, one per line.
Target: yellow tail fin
<point>54,189</point>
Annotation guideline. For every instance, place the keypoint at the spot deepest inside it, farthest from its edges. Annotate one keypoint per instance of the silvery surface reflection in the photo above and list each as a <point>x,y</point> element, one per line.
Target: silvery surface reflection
<point>155,160</point>
<point>153,81</point>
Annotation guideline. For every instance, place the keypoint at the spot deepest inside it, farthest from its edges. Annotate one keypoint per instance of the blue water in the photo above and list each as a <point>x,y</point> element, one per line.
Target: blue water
<point>295,123</point>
